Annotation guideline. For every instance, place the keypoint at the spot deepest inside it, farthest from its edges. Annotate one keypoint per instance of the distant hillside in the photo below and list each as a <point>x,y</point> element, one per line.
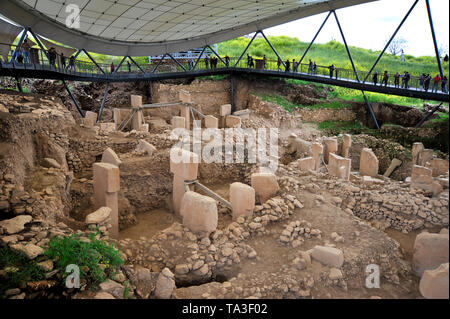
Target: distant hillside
<point>329,53</point>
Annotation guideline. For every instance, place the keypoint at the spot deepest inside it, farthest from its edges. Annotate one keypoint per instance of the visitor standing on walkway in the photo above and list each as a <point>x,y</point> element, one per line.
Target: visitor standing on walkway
<point>294,66</point>
<point>397,80</point>
<point>52,56</point>
<point>310,67</point>
<point>407,78</point>
<point>403,76</point>
<point>385,78</point>
<point>129,66</point>
<point>112,67</point>
<point>264,62</point>
<point>279,64</point>
<point>336,72</point>
<point>26,51</point>
<point>402,56</point>
<point>436,81</point>
<point>227,60</point>
<point>62,58</point>
<point>444,84</point>
<point>422,81</point>
<point>71,63</point>
<point>315,68</point>
<point>427,82</point>
<point>331,68</point>
<point>287,66</point>
<point>375,78</point>
<point>207,61</point>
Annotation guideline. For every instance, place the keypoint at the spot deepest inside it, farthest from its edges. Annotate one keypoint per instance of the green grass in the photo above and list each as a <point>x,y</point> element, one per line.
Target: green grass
<point>337,127</point>
<point>16,270</point>
<point>329,53</point>
<point>96,259</point>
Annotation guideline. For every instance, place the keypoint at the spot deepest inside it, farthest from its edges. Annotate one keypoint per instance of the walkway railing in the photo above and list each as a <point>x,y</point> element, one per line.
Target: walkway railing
<point>38,61</point>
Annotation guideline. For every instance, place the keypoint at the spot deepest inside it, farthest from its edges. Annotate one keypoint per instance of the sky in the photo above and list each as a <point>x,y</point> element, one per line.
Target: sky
<point>370,25</point>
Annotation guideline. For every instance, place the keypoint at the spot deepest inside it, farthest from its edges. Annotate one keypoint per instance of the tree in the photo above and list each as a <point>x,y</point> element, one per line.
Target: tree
<point>397,45</point>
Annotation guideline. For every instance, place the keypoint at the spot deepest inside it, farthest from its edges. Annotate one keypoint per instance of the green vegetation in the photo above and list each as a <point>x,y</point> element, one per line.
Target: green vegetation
<point>97,259</point>
<point>338,127</point>
<point>16,269</point>
<point>329,53</point>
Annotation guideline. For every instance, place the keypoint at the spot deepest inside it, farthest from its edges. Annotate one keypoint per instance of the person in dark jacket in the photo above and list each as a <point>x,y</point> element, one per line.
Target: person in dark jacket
<point>397,80</point>
<point>331,68</point>
<point>375,78</point>
<point>288,66</point>
<point>444,82</point>
<point>427,82</point>
<point>385,78</point>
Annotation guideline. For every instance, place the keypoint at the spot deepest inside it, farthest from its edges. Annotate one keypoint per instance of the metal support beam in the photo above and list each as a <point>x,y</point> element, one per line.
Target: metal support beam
<point>356,71</point>
<point>22,37</point>
<point>314,39</point>
<point>120,64</point>
<point>75,58</point>
<point>232,93</point>
<point>438,57</point>
<point>103,103</point>
<point>429,114</point>
<point>179,64</point>
<point>39,43</point>
<point>96,64</point>
<point>246,48</point>
<point>199,57</point>
<point>159,63</point>
<point>138,66</point>
<point>73,99</point>
<point>208,192</point>
<point>390,40</point>
<point>217,55</point>
<point>273,49</point>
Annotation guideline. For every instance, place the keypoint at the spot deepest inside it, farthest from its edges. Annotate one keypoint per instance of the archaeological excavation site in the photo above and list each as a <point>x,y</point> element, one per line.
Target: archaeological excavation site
<point>146,199</point>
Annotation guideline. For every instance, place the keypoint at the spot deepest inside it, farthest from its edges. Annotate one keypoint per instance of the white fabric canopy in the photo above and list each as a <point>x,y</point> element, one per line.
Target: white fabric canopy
<point>8,33</point>
<point>59,49</point>
<point>153,27</point>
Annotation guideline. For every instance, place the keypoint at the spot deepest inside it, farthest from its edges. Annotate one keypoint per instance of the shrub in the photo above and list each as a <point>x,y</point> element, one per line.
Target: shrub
<point>96,259</point>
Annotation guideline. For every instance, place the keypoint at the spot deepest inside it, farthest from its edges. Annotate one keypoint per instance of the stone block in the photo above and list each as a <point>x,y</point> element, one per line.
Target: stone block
<point>99,216</point>
<point>317,151</point>
<point>329,256</point>
<point>301,147</point>
<point>339,166</point>
<point>184,96</point>
<point>199,212</point>
<point>109,156</point>
<point>242,198</point>
<point>136,101</point>
<point>185,112</point>
<point>178,122</point>
<point>368,164</point>
<point>330,146</point>
<point>211,121</point>
<point>430,250</point>
<point>106,177</point>
<point>434,283</point>
<point>145,146</point>
<point>346,144</point>
<point>233,121</point>
<point>225,110</point>
<point>438,166</point>
<point>243,114</point>
<point>421,177</point>
<point>425,156</point>
<point>90,118</point>
<point>137,120</point>
<point>107,127</point>
<point>416,149</point>
<point>265,185</point>
<point>306,164</point>
<point>184,163</point>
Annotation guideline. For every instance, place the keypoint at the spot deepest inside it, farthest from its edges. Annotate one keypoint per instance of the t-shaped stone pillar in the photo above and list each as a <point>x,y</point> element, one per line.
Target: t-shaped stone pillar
<point>178,122</point>
<point>346,144</point>
<point>317,150</point>
<point>331,146</point>
<point>185,112</point>
<point>339,166</point>
<point>184,166</point>
<point>106,189</point>
<point>368,163</point>
<point>416,149</point>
